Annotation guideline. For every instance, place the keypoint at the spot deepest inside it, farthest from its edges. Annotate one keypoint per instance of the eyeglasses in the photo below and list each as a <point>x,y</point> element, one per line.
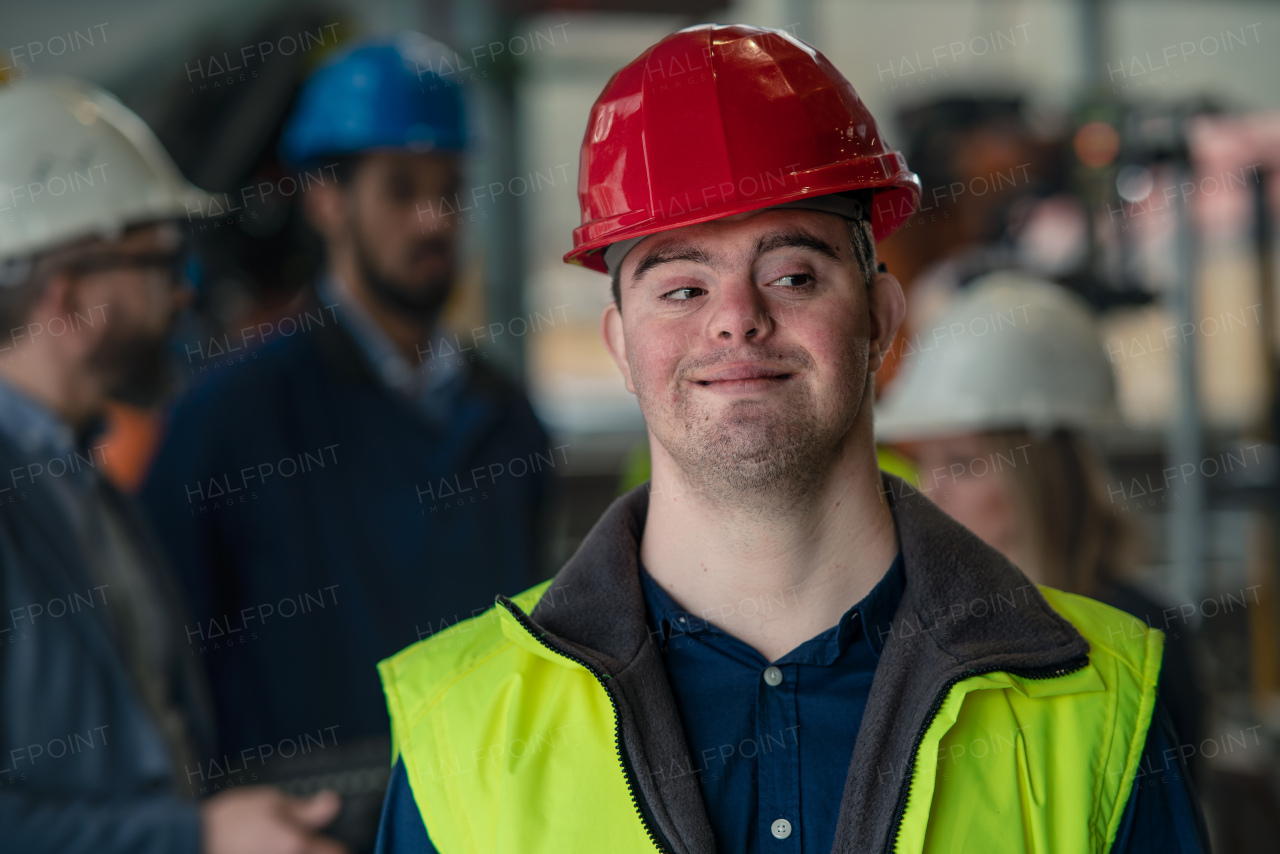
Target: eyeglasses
<point>171,264</point>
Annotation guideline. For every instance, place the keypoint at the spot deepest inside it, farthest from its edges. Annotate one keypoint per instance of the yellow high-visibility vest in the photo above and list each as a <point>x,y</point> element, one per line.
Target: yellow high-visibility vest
<point>510,746</point>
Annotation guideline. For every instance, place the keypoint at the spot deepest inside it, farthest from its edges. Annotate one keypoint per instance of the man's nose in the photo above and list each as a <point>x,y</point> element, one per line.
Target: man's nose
<point>436,214</point>
<point>741,314</point>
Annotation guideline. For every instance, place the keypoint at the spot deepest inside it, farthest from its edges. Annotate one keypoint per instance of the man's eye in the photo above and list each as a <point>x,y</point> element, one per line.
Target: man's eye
<point>795,280</point>
<point>680,294</point>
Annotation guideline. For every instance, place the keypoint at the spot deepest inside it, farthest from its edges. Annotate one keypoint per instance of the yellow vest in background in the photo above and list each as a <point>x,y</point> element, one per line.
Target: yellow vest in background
<point>512,747</point>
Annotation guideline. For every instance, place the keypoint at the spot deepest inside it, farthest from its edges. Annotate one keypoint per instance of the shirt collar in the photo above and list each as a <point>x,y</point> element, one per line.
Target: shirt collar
<point>48,443</point>
<point>870,618</point>
<point>31,425</point>
<point>428,386</point>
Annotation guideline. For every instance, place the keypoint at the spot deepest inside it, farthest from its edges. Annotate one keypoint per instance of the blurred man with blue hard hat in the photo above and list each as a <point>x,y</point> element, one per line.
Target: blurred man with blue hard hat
<point>352,487</point>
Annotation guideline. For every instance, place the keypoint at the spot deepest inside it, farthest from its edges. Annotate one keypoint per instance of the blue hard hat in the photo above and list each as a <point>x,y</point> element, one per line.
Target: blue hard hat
<point>388,93</point>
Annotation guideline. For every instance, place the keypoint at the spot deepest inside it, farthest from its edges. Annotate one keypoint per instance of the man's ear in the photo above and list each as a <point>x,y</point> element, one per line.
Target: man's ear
<point>323,204</point>
<point>888,305</point>
<point>615,341</point>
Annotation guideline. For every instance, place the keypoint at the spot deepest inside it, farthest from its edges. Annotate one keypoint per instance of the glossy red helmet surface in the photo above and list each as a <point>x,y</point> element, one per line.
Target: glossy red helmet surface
<point>714,121</point>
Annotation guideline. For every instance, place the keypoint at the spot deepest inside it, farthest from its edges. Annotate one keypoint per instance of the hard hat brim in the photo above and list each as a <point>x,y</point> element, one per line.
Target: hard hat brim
<point>897,197</point>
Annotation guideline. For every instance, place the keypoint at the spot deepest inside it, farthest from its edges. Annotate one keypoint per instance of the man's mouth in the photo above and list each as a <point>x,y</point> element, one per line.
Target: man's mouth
<point>744,377</point>
<point>430,250</point>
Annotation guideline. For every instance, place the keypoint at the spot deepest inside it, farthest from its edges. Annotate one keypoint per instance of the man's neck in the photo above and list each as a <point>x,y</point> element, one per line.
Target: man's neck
<point>406,333</point>
<point>777,573</point>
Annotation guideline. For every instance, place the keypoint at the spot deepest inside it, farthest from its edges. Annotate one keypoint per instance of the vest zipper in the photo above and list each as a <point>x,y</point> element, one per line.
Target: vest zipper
<point>637,802</point>
<point>1051,672</point>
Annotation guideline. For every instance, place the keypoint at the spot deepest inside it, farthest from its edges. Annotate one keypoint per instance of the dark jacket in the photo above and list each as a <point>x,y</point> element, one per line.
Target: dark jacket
<point>83,766</point>
<point>318,523</point>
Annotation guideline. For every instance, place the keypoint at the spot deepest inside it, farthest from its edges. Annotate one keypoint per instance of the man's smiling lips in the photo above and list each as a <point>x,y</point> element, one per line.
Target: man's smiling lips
<point>744,377</point>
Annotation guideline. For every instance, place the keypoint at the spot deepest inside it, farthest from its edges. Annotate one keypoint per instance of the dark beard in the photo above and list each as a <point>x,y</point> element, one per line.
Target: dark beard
<point>135,368</point>
<point>421,303</point>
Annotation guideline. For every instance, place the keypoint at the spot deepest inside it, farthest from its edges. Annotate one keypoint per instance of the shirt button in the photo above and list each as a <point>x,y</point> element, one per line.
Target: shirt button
<point>773,678</point>
<point>781,829</point>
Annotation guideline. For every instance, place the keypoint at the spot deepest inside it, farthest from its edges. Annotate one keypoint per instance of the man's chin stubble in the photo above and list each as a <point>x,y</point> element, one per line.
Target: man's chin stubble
<point>753,462</point>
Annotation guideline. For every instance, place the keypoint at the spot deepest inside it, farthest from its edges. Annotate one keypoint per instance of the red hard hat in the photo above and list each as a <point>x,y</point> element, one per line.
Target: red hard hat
<point>714,121</point>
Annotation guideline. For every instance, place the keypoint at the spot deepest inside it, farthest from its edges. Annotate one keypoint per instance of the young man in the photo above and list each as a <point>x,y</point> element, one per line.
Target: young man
<point>103,717</point>
<point>772,646</point>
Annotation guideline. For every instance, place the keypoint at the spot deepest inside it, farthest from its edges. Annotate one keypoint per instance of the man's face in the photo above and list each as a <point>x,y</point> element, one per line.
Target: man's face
<point>750,343</point>
<point>397,217</point>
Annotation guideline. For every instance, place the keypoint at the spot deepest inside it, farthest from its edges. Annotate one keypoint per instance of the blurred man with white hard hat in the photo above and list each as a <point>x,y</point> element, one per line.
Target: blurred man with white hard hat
<point>102,718</point>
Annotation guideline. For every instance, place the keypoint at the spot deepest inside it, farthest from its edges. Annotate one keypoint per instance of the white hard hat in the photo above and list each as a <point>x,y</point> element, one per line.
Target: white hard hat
<point>1011,352</point>
<point>75,162</point>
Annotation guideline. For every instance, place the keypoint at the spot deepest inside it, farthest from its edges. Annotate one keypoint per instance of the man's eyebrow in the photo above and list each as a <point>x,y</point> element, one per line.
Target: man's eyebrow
<point>795,238</point>
<point>668,254</point>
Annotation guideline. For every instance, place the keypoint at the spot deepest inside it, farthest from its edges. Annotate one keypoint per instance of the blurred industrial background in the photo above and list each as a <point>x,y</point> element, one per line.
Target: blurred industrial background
<point>1128,150</point>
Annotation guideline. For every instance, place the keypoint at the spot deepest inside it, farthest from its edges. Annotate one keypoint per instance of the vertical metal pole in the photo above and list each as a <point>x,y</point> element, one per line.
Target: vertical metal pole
<point>501,233</point>
<point>1093,41</point>
<point>1186,431</point>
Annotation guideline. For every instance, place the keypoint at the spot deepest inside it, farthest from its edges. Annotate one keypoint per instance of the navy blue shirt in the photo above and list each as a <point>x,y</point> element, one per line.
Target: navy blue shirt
<point>770,746</point>
<point>749,761</point>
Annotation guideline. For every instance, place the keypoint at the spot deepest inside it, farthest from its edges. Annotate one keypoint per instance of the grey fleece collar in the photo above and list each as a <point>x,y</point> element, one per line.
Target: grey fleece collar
<point>965,607</point>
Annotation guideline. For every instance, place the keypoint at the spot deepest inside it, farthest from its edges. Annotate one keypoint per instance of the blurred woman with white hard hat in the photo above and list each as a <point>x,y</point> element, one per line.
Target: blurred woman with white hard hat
<point>997,404</point>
